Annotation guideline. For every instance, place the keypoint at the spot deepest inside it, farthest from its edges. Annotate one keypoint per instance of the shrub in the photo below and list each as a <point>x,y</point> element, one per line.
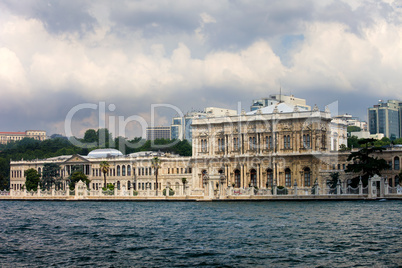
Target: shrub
<point>171,192</point>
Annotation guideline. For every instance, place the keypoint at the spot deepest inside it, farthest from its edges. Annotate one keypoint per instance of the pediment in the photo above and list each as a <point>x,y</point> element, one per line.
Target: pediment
<point>76,159</point>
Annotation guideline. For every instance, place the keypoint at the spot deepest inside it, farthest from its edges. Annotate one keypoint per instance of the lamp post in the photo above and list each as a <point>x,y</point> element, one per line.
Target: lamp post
<point>156,162</point>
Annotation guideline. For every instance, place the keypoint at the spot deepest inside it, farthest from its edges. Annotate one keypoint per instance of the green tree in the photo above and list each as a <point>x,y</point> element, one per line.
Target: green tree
<point>50,173</point>
<point>397,141</point>
<point>353,142</point>
<point>353,129</point>
<point>104,165</point>
<point>364,164</point>
<point>105,138</point>
<point>77,176</point>
<point>32,179</point>
<point>90,136</point>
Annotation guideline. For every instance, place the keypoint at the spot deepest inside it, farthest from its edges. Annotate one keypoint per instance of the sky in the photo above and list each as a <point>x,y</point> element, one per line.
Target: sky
<point>67,66</point>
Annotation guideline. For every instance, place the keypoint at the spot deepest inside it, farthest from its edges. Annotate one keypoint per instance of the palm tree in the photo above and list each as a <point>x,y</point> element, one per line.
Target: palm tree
<point>104,165</point>
<point>156,162</point>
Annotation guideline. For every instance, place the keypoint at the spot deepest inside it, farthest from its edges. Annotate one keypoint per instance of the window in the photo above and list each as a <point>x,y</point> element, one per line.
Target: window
<point>252,143</point>
<point>270,178</point>
<point>288,178</point>
<point>221,145</point>
<point>204,145</point>
<point>323,141</point>
<point>128,170</point>
<point>268,142</point>
<point>307,177</point>
<point>306,141</point>
<point>123,170</point>
<point>236,144</point>
<point>396,163</point>
<point>118,170</point>
<point>286,142</point>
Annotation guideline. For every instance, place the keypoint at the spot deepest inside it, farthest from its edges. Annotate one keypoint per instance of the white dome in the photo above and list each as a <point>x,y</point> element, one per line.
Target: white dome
<point>99,153</point>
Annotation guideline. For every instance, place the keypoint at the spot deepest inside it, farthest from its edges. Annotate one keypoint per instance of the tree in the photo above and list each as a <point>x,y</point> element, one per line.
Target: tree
<point>104,165</point>
<point>77,176</point>
<point>32,179</point>
<point>353,142</point>
<point>365,164</point>
<point>353,129</point>
<point>155,163</point>
<point>50,173</point>
<point>90,136</point>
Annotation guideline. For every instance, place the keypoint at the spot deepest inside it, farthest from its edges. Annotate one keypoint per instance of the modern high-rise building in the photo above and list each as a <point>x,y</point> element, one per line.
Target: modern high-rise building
<point>279,98</point>
<point>181,126</point>
<point>154,133</point>
<point>385,118</point>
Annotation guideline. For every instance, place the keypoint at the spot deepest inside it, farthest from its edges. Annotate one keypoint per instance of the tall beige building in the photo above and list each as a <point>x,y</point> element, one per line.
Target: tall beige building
<point>277,144</point>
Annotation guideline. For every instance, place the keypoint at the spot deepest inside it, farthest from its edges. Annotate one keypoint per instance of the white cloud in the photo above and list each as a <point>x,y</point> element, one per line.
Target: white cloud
<point>128,66</point>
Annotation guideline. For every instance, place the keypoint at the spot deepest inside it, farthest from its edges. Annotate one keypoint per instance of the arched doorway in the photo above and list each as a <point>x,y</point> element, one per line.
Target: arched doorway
<point>237,178</point>
<point>253,178</point>
<point>270,178</point>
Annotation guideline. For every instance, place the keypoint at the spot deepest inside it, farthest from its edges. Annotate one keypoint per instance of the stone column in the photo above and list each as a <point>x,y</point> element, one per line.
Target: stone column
<point>211,189</point>
<point>338,187</point>
<point>53,190</point>
<point>295,188</point>
<point>386,190</point>
<point>274,189</point>
<point>38,191</point>
<point>370,188</point>
<point>360,186</point>
<point>382,187</point>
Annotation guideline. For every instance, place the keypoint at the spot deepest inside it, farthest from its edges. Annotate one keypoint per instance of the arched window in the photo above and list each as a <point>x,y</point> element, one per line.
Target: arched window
<point>118,170</point>
<point>396,180</point>
<point>237,178</point>
<point>396,163</point>
<point>128,185</point>
<point>40,171</point>
<point>123,170</point>
<point>270,178</point>
<point>253,177</point>
<point>288,178</point>
<point>146,171</point>
<point>128,170</point>
<point>307,177</point>
<point>118,185</point>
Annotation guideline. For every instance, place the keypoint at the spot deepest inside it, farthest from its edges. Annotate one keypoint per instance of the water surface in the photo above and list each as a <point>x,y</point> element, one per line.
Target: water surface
<point>217,234</point>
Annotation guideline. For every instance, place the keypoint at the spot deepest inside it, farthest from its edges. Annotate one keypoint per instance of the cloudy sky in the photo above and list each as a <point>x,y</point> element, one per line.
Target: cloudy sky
<point>55,55</point>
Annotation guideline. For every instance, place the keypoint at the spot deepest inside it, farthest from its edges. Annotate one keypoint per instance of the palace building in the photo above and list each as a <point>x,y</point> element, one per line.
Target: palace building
<point>125,171</point>
<point>277,145</point>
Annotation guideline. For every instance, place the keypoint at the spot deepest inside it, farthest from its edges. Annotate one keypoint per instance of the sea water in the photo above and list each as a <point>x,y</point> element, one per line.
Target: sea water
<point>204,234</point>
